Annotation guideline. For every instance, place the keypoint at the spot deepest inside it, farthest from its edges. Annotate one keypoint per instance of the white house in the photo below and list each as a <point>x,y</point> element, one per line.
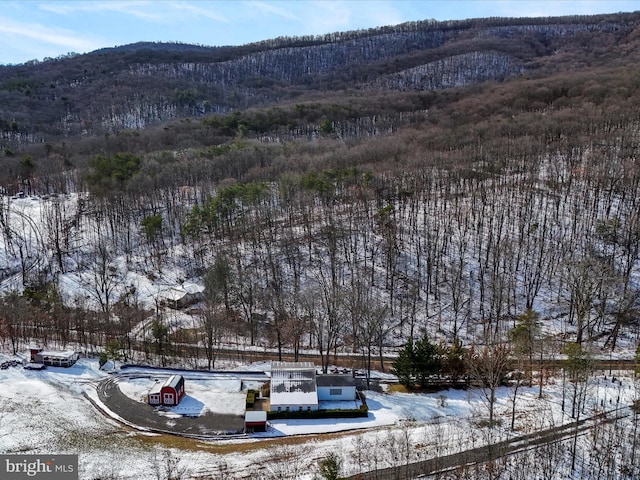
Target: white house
<point>293,386</point>
<point>181,296</point>
<point>336,387</point>
<point>54,358</point>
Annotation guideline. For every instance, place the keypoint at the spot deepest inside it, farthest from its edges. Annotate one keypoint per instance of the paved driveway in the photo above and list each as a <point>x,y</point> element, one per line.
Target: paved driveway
<point>146,417</point>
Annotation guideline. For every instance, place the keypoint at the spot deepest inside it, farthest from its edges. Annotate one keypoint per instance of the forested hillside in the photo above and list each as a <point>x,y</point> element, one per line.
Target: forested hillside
<point>342,193</point>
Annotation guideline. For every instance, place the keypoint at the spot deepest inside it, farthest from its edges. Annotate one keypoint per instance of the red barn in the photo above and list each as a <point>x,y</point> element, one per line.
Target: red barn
<point>169,393</point>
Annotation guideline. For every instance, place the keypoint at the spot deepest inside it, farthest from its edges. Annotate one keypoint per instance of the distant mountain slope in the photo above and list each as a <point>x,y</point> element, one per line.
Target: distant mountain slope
<point>134,86</point>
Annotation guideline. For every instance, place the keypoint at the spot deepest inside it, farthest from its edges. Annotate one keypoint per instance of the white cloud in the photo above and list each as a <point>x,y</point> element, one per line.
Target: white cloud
<point>195,10</point>
<point>331,16</point>
<point>327,17</point>
<point>273,8</point>
<point>42,34</point>
<point>154,12</point>
<point>143,10</point>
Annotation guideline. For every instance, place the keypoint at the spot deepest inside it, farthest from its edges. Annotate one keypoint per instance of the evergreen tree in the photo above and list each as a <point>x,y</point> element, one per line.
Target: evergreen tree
<point>329,467</point>
<point>453,359</point>
<point>427,360</point>
<point>403,365</point>
<point>416,362</point>
<point>524,338</point>
<point>112,351</point>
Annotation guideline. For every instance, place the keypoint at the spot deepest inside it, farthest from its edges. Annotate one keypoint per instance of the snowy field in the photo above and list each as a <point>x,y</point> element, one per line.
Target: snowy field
<point>49,412</point>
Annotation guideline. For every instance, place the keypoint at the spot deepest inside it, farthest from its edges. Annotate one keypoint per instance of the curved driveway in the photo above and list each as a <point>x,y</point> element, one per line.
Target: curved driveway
<point>146,417</point>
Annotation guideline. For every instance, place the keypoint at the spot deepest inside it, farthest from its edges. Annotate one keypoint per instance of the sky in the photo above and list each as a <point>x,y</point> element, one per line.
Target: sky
<point>39,29</point>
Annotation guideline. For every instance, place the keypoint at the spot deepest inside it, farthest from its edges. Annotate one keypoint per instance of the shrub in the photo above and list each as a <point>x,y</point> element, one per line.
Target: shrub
<point>363,411</point>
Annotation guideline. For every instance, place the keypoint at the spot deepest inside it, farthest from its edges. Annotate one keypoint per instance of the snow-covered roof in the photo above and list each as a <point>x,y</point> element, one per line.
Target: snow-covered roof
<point>292,366</point>
<point>173,381</point>
<point>293,383</point>
<point>57,354</point>
<point>155,389</point>
<point>192,288</point>
<point>255,416</point>
<point>174,293</point>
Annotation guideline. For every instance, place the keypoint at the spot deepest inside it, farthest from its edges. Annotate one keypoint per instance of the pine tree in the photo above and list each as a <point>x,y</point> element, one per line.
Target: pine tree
<point>329,467</point>
<point>403,366</point>
<point>427,360</point>
<point>453,360</point>
<point>416,362</point>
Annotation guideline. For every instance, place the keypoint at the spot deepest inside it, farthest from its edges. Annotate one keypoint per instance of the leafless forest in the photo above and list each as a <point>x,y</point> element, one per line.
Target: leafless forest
<point>468,187</point>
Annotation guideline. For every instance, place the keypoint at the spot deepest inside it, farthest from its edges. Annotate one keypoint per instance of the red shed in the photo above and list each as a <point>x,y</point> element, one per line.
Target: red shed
<point>255,421</point>
<point>170,393</point>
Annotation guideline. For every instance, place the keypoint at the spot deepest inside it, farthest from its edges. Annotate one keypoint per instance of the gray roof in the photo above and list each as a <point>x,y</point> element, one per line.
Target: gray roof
<point>335,381</point>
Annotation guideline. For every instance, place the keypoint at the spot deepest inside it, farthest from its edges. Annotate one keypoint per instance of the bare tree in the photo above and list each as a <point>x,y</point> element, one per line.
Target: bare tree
<point>584,279</point>
<point>578,366</point>
<point>488,365</point>
<point>213,324</point>
<point>287,461</point>
<point>104,277</point>
<point>14,316</point>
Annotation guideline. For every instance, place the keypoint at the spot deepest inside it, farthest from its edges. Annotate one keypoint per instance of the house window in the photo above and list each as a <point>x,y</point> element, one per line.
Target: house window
<point>287,409</point>
<point>279,409</point>
<point>300,408</point>
<point>335,391</point>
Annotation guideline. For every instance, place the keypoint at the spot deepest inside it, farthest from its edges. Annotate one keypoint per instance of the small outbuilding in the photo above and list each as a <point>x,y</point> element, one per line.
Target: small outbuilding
<point>255,421</point>
<point>168,393</point>
<point>154,397</point>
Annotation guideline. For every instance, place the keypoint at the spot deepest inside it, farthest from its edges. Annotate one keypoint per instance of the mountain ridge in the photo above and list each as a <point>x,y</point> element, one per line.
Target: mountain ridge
<point>146,83</point>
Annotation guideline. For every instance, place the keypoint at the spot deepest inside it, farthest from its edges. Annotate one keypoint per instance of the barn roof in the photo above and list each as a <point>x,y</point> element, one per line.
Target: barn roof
<point>173,381</point>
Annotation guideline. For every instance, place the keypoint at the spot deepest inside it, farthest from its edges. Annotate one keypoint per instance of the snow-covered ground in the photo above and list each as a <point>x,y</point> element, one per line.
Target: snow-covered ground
<point>52,412</point>
<point>217,396</point>
<point>28,221</point>
<point>49,412</point>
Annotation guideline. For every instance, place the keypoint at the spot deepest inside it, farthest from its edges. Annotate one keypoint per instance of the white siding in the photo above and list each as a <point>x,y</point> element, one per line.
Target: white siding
<point>329,393</point>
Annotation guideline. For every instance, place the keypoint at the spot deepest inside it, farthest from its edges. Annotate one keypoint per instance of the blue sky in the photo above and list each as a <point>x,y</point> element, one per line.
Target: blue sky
<point>36,29</point>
